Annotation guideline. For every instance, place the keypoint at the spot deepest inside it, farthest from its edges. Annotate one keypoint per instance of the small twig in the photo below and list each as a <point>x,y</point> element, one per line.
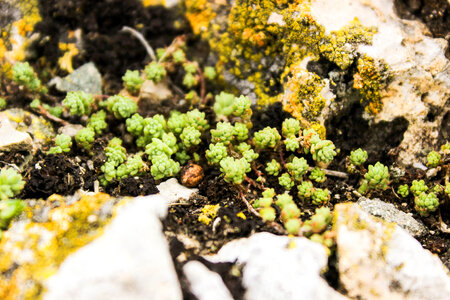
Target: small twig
<point>176,42</point>
<point>280,152</point>
<point>202,86</point>
<point>141,38</point>
<point>254,183</point>
<point>179,203</point>
<point>260,175</point>
<point>249,206</point>
<point>42,111</point>
<point>443,227</point>
<point>336,174</point>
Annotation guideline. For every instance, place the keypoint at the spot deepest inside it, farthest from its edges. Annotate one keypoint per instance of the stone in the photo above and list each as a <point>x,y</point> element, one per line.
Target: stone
<point>70,130</point>
<point>131,260</point>
<point>86,78</point>
<point>205,284</point>
<point>389,213</point>
<point>379,260</point>
<point>279,267</point>
<point>12,139</point>
<point>23,121</point>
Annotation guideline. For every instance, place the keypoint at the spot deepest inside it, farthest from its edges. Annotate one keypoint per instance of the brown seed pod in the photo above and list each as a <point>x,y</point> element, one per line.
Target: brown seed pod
<point>191,175</point>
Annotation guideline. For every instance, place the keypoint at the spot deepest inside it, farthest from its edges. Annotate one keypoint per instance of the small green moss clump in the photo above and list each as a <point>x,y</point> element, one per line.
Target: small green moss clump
<point>155,71</point>
<point>403,190</point>
<point>377,177</point>
<point>434,159</point>
<point>85,137</point>
<point>358,157</point>
<point>267,138</point>
<point>234,170</point>
<point>426,203</point>
<point>23,74</point>
<point>8,210</point>
<point>122,107</point>
<point>11,183</point>
<point>418,187</point>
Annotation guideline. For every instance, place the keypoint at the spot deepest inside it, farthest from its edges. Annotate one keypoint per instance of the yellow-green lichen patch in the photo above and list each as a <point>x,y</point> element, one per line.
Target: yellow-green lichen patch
<point>370,80</point>
<point>32,251</point>
<point>262,44</point>
<point>209,212</point>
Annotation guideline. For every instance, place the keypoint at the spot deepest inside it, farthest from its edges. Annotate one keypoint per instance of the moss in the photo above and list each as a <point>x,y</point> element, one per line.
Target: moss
<point>29,260</point>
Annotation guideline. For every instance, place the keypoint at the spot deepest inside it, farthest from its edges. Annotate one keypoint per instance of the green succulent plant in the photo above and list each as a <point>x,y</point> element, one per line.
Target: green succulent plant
<point>78,103</point>
<point>358,157</point>
<point>2,103</point>
<point>418,187</point>
<point>164,167</point>
<point>178,56</point>
<point>85,137</point>
<point>273,167</point>
<point>286,181</point>
<point>319,221</point>
<point>132,81</point>
<point>224,104</point>
<point>377,177</point>
<point>323,151</point>
<point>121,107</point>
<point>11,183</point>
<point>176,122</point>
<point>297,168</point>
<point>241,107</point>
<point>403,190</point>
<point>135,124</point>
<point>8,210</point>
<point>426,203</point>
<point>190,136</point>
<point>234,170</point>
<point>189,80</point>
<point>240,131</point>
<point>196,119</point>
<point>210,73</point>
<point>98,122</point>
<point>155,72</point>
<point>23,74</point>
<point>216,153</point>
<point>223,133</point>
<point>290,128</point>
<point>320,196</point>
<point>267,138</point>
<point>305,190</point>
<point>157,148</point>
<point>62,144</point>
<point>434,159</point>
<point>318,175</point>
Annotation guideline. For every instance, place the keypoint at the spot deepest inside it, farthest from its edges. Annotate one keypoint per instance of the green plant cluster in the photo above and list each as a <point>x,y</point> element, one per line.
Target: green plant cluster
<point>23,74</point>
<point>78,103</point>
<point>11,184</point>
<point>62,144</point>
<point>132,81</point>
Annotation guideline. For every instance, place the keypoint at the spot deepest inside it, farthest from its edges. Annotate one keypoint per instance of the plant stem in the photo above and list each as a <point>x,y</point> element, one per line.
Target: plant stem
<point>141,38</point>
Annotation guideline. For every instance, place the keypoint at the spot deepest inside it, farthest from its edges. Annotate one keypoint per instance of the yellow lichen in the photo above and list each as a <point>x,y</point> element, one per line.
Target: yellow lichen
<point>147,3</point>
<point>31,252</point>
<point>209,212</point>
<point>241,215</point>
<point>65,61</point>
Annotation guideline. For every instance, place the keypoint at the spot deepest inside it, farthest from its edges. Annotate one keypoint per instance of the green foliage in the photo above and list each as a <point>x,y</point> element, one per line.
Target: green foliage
<point>273,167</point>
<point>426,203</point>
<point>319,221</point>
<point>234,170</point>
<point>85,137</point>
<point>189,80</point>
<point>323,151</point>
<point>196,119</point>
<point>190,137</point>
<point>78,103</point>
<point>182,156</point>
<point>434,159</point>
<point>132,81</point>
<point>286,181</point>
<point>122,107</point>
<point>23,74</point>
<point>320,196</point>
<point>176,122</point>
<point>135,124</point>
<point>292,144</point>
<point>8,210</point>
<point>305,190</point>
<point>264,203</point>
<point>190,68</point>
<point>241,107</point>
<point>164,167</point>
<point>155,71</point>
<point>240,131</point>
<point>250,155</point>
<point>54,110</point>
<point>98,122</point>
<point>377,177</point>
<point>358,157</point>
<point>223,133</point>
<point>178,56</point>
<point>2,103</point>
<point>62,144</point>
<point>267,138</point>
<point>309,138</point>
<point>224,104</point>
<point>318,175</point>
<point>115,152</point>
<point>11,183</point>
<point>290,128</point>
<point>132,167</point>
<point>216,153</point>
<point>157,148</point>
<point>293,226</point>
<point>403,190</point>
<point>418,187</point>
<point>283,200</point>
<point>447,189</point>
<point>210,73</point>
<point>297,168</point>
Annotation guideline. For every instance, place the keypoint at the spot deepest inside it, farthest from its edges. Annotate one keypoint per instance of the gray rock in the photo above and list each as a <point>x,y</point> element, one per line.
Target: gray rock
<point>279,267</point>
<point>388,212</point>
<point>131,260</point>
<point>205,284</point>
<point>12,139</point>
<point>70,130</point>
<point>379,260</point>
<point>86,78</point>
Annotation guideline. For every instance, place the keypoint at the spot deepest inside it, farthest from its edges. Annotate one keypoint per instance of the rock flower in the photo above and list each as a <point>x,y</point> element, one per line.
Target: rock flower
<point>403,190</point>
<point>318,175</point>
<point>164,167</point>
<point>223,133</point>
<point>98,122</point>
<point>418,187</point>
<point>434,159</point>
<point>377,177</point>
<point>290,127</point>
<point>224,104</point>
<point>190,137</point>
<point>234,170</point>
<point>122,107</point>
<point>305,190</point>
<point>85,137</point>
<point>323,151</point>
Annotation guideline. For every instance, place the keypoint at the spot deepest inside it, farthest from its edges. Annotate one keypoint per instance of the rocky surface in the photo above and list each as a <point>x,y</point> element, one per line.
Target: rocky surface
<point>12,139</point>
<point>379,260</point>
<point>389,213</point>
<point>86,78</point>
<point>131,260</point>
<point>279,267</point>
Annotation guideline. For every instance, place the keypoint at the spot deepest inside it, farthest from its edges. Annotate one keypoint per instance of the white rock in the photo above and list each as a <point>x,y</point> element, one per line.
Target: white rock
<point>276,18</point>
<point>131,260</point>
<point>12,139</point>
<point>378,260</point>
<point>205,284</point>
<point>420,71</point>
<point>274,270</point>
